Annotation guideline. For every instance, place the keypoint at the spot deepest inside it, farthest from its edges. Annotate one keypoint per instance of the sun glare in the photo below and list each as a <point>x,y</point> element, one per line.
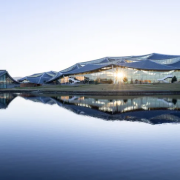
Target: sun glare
<point>119,74</point>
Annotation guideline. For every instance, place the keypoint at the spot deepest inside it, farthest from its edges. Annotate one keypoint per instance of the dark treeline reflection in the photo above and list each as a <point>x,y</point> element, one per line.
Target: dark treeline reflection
<point>149,109</point>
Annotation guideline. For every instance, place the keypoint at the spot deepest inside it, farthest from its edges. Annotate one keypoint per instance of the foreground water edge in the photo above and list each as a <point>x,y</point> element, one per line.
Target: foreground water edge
<point>88,137</point>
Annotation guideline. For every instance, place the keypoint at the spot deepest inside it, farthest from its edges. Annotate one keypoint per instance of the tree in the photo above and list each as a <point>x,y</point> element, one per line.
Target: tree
<point>125,101</point>
<point>174,79</point>
<point>125,79</point>
<point>174,101</point>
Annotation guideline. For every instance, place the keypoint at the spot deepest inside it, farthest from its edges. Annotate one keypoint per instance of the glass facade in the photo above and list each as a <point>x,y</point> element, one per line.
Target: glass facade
<point>5,81</point>
<point>130,75</point>
<point>115,75</point>
<point>100,76</point>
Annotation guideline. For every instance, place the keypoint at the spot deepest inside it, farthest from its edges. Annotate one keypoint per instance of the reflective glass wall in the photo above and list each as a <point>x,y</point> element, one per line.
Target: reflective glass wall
<point>5,81</point>
<point>115,75</point>
<point>130,75</point>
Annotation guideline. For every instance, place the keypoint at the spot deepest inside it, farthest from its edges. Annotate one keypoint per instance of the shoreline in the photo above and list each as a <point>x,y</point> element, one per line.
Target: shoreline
<point>104,90</point>
<point>95,93</point>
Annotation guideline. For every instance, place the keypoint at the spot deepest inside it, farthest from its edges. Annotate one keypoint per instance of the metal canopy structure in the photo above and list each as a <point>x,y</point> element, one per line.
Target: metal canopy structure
<point>156,56</point>
<point>86,68</point>
<point>3,72</point>
<point>176,65</point>
<point>6,81</point>
<point>154,61</point>
<point>39,78</point>
<point>148,65</point>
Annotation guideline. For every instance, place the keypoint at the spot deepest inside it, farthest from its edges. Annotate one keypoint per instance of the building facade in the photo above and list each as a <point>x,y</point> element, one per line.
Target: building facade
<point>150,68</point>
<point>6,81</point>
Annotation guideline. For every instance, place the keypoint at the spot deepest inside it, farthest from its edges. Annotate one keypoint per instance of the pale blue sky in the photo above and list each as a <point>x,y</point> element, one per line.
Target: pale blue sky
<point>44,35</point>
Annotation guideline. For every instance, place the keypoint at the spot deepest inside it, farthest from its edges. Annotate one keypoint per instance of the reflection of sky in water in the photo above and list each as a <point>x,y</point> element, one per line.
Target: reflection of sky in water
<point>41,141</point>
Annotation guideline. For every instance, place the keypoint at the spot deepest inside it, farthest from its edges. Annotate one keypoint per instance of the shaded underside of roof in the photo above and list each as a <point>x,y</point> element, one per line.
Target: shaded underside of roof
<point>147,65</point>
<point>176,65</point>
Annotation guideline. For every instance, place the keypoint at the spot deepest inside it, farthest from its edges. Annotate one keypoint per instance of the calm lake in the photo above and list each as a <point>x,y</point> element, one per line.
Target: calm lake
<point>63,137</point>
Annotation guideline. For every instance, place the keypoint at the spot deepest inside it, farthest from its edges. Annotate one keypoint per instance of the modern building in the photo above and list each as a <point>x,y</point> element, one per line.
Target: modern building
<point>150,68</point>
<point>6,81</point>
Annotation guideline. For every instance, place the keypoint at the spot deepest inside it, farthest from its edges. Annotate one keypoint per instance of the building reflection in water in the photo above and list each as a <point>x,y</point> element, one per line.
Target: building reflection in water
<point>153,110</point>
<point>5,99</point>
<point>150,109</point>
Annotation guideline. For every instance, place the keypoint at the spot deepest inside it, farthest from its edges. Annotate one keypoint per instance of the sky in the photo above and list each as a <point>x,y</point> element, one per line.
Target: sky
<point>44,35</point>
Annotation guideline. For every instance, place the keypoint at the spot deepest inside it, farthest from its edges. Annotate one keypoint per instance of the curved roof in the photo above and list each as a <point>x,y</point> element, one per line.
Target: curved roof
<point>39,78</point>
<point>75,66</point>
<point>2,72</point>
<point>147,65</point>
<point>86,68</point>
<point>155,56</point>
<point>58,75</point>
<point>152,61</point>
<point>177,65</point>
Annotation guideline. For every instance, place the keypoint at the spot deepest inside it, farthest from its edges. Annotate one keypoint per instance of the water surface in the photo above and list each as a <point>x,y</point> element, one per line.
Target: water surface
<point>84,137</point>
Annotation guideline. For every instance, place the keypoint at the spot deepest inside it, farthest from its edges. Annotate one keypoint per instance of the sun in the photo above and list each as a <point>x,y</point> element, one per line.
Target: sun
<point>119,75</point>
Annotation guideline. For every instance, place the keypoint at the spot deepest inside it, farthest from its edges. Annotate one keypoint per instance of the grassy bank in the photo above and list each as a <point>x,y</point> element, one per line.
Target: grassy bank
<point>107,87</point>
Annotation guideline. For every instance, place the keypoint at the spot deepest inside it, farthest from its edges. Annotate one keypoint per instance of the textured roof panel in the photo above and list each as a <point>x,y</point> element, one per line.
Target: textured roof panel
<point>144,62</point>
<point>156,56</point>
<point>176,65</point>
<point>147,65</point>
<point>40,78</point>
<point>86,68</point>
